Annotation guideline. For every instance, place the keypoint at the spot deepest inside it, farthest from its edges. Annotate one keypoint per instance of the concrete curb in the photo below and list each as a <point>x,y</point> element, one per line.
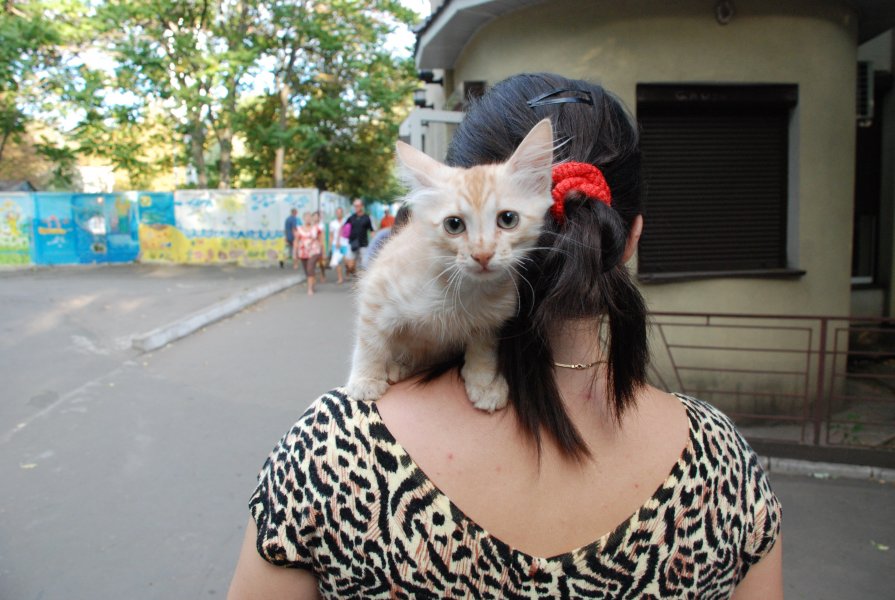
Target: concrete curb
<point>823,470</point>
<point>183,327</point>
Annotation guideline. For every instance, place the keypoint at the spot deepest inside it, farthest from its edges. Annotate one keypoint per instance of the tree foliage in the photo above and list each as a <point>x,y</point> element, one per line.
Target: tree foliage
<point>189,57</point>
<point>306,88</point>
<point>331,118</point>
<point>247,92</point>
<point>35,70</point>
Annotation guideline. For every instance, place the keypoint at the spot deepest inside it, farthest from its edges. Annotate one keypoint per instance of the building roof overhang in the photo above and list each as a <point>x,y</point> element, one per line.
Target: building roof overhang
<point>443,35</point>
<point>441,38</point>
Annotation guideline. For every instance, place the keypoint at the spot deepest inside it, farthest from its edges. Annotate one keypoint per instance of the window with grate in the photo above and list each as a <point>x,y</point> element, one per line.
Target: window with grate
<point>716,162</point>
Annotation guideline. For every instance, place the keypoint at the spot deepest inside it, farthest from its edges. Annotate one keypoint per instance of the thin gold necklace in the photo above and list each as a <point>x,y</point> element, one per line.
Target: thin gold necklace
<point>577,366</point>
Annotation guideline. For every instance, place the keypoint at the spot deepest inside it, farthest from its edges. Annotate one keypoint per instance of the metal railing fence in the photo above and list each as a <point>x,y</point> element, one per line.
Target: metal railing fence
<point>820,380</point>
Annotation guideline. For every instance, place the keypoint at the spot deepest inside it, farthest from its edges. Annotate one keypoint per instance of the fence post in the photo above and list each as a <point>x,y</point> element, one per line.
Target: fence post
<point>821,368</point>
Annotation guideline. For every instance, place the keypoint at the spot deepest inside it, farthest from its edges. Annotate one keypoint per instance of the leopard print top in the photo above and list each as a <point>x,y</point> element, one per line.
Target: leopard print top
<point>341,497</point>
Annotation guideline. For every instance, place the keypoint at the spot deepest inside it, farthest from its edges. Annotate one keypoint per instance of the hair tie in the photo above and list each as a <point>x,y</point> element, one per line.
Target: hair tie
<point>577,177</point>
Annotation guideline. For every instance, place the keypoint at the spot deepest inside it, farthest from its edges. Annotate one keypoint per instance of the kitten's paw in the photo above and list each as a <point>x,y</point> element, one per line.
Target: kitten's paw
<point>366,388</point>
<point>398,371</point>
<point>486,391</point>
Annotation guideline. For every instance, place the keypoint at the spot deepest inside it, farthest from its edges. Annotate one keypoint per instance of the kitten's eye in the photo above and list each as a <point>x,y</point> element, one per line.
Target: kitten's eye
<point>454,225</point>
<point>507,219</point>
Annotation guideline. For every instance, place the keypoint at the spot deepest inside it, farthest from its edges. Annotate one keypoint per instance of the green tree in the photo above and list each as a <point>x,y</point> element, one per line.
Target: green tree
<point>161,47</point>
<point>138,142</point>
<point>63,158</point>
<point>238,35</point>
<point>195,58</point>
<point>306,84</point>
<point>36,40</point>
<point>338,95</point>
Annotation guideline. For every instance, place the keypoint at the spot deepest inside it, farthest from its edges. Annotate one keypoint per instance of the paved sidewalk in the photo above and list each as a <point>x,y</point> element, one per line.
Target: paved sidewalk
<point>134,482</point>
<point>113,302</point>
<point>65,325</point>
<point>838,537</point>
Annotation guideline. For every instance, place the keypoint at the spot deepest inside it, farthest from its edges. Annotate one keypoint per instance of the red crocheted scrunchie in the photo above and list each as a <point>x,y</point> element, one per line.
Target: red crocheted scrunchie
<point>579,177</point>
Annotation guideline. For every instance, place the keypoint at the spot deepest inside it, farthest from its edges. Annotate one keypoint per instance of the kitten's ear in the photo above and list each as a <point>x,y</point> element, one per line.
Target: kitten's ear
<point>417,168</point>
<point>533,159</point>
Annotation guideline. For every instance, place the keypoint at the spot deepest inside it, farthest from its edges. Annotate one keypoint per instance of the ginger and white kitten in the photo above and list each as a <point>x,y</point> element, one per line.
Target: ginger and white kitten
<point>447,281</point>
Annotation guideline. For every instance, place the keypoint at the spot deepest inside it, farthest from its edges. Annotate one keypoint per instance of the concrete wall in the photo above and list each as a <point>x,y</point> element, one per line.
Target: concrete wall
<point>621,44</point>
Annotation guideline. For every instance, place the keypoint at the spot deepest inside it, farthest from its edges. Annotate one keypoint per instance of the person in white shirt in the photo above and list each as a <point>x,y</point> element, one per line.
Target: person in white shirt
<point>338,245</point>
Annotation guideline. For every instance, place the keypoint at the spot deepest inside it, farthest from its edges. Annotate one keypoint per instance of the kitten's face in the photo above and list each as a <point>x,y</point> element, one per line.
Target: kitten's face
<point>483,220</point>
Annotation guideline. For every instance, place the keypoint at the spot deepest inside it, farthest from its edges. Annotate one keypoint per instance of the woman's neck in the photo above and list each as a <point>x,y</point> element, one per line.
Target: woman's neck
<point>583,389</point>
<point>576,342</point>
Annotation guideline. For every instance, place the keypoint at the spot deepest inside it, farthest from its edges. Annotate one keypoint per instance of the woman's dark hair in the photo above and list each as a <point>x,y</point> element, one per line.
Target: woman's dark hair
<point>401,218</point>
<point>576,271</point>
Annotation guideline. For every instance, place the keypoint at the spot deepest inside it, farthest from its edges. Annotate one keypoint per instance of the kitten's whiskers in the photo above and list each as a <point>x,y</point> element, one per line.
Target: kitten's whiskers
<point>513,275</point>
<point>458,296</point>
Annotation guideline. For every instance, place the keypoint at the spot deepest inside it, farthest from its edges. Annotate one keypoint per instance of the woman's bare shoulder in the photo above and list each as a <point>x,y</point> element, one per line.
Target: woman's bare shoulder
<point>660,405</point>
<point>441,401</point>
<point>435,419</point>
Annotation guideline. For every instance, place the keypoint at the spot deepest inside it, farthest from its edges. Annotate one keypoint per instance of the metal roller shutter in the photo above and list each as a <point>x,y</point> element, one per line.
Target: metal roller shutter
<point>716,166</point>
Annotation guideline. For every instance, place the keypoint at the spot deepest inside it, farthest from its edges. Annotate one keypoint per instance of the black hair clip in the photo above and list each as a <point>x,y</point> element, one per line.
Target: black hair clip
<point>577,97</point>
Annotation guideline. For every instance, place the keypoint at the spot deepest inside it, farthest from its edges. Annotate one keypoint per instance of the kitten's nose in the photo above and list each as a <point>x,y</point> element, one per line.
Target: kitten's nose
<point>483,258</point>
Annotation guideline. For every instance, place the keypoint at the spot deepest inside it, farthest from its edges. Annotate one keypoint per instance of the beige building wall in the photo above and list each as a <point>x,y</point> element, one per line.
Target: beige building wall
<point>621,44</point>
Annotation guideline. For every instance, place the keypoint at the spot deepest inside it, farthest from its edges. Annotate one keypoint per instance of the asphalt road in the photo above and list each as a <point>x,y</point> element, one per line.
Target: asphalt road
<point>131,481</point>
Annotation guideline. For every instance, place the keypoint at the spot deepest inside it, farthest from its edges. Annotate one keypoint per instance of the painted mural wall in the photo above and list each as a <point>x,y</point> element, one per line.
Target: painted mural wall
<point>83,228</point>
<point>160,241</point>
<point>188,226</point>
<point>16,215</point>
<point>226,226</point>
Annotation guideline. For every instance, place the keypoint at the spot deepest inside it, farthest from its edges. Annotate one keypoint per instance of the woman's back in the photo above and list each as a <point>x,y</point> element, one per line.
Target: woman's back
<point>419,495</point>
<point>544,505</point>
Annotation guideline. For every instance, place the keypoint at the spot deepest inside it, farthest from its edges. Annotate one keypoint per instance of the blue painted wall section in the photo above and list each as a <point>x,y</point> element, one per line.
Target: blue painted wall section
<point>55,238</point>
<point>84,228</point>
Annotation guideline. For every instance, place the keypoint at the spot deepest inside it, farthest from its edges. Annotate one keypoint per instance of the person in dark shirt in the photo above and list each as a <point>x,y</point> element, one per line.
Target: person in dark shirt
<point>361,226</point>
<point>289,230</point>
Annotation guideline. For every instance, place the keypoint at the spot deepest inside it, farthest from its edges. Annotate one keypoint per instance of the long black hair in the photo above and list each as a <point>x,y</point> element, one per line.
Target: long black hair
<point>576,272</point>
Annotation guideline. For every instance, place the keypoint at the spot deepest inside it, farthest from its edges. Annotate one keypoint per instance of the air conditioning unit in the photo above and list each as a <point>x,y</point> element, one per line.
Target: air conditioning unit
<point>864,96</point>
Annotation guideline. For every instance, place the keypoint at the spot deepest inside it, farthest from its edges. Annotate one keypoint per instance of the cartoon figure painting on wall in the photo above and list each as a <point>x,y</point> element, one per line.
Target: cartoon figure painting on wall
<point>96,226</point>
<point>55,234</point>
<point>53,226</point>
<point>15,225</point>
<point>160,240</point>
<point>120,221</point>
<point>230,206</point>
<point>12,221</point>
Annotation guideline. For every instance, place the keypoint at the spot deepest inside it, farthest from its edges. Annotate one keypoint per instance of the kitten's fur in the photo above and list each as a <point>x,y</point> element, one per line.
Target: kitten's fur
<point>430,294</point>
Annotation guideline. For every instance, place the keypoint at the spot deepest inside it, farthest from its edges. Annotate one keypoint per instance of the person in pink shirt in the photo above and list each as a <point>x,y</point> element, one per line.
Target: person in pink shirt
<point>309,247</point>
